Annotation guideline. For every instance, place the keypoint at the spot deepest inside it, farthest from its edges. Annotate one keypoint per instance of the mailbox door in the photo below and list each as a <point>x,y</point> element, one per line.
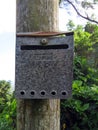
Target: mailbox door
<point>44,71</point>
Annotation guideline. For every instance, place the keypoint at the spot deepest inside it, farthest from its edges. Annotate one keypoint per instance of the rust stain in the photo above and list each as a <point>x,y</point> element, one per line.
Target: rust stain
<point>42,34</point>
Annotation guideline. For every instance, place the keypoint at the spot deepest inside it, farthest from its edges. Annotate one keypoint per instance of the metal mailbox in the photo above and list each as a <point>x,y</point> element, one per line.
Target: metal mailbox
<point>44,65</point>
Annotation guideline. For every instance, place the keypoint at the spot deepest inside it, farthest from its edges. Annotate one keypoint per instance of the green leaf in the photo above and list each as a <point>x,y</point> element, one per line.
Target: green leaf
<point>85,106</point>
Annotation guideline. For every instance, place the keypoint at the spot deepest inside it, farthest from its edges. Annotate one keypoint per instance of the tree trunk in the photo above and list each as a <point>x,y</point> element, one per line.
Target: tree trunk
<point>38,15</point>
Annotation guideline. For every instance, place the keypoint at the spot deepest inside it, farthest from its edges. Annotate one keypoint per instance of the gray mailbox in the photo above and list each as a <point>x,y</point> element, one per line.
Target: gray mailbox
<point>44,65</point>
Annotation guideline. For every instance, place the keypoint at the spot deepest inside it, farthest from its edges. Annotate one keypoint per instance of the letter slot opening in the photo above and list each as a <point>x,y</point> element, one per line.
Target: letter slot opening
<point>41,47</point>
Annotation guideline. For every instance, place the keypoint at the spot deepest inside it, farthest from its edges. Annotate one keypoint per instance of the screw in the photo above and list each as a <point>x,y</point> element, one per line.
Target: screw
<point>44,41</point>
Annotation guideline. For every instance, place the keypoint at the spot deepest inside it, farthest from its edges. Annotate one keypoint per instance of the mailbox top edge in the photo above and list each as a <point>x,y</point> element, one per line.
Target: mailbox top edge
<point>42,34</point>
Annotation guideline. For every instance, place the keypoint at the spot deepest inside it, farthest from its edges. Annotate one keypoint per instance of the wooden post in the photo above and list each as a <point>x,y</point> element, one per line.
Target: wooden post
<point>38,15</point>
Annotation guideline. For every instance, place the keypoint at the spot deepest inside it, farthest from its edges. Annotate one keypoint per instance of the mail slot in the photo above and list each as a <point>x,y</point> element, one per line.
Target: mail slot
<point>44,65</point>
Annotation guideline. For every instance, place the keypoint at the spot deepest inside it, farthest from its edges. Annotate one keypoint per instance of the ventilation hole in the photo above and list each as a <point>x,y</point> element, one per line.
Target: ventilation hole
<point>53,93</point>
<point>64,93</point>
<point>32,93</point>
<point>22,92</point>
<point>43,93</point>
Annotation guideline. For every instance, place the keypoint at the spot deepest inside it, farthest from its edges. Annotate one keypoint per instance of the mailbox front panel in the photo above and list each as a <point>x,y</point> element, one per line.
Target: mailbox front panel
<point>44,71</point>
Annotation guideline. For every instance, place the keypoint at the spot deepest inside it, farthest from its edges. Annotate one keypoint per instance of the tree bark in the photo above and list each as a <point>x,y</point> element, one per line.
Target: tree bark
<point>37,15</point>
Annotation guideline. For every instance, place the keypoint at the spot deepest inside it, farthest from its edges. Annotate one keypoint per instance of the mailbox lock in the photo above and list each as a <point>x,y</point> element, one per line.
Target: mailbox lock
<point>44,41</point>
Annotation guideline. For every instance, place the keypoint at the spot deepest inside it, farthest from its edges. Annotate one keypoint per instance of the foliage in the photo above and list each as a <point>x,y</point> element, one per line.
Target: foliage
<point>4,94</point>
<point>7,107</point>
<point>80,111</point>
<point>91,28</point>
<point>70,25</point>
<point>82,8</point>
